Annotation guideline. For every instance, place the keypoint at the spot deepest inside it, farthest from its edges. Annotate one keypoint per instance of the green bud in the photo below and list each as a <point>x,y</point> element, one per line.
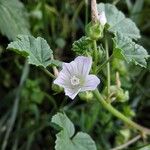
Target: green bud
<point>94,31</point>
<point>128,111</point>
<point>122,96</point>
<point>123,136</point>
<point>118,93</point>
<point>57,88</point>
<point>87,96</point>
<point>113,90</point>
<point>126,134</point>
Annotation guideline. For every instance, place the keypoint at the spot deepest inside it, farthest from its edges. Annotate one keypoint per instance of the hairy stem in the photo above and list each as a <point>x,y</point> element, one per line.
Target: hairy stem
<point>108,60</point>
<point>119,115</point>
<point>86,12</point>
<point>94,12</point>
<point>48,73</point>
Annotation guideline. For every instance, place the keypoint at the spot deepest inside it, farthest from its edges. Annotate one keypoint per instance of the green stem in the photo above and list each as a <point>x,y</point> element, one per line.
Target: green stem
<point>108,60</point>
<point>108,67</point>
<point>86,12</point>
<point>48,73</point>
<point>119,115</point>
<point>79,8</point>
<point>44,20</point>
<point>95,55</point>
<point>14,111</point>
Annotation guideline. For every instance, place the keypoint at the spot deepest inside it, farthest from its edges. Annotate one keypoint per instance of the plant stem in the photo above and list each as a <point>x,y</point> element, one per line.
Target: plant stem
<point>95,54</point>
<point>86,12</point>
<point>44,20</point>
<point>15,106</point>
<point>119,115</point>
<point>108,60</point>
<point>48,73</point>
<point>94,12</point>
<point>128,143</point>
<point>108,67</point>
<point>79,8</point>
<point>115,2</point>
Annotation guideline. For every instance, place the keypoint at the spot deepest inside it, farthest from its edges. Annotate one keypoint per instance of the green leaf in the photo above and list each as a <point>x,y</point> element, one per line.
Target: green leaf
<point>118,22</point>
<point>82,45</point>
<point>125,48</point>
<point>36,50</point>
<point>65,139</point>
<point>147,147</point>
<point>63,121</point>
<point>13,18</point>
<point>56,63</point>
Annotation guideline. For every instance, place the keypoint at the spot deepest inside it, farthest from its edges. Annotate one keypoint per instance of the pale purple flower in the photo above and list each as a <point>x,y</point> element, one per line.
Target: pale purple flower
<point>102,18</point>
<point>74,77</point>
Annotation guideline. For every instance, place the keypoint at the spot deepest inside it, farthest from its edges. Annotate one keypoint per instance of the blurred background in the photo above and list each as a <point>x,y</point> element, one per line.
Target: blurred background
<point>28,99</point>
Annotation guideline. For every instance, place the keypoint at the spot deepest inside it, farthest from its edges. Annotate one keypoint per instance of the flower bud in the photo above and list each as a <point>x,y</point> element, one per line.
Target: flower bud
<point>87,96</point>
<point>118,93</point>
<point>94,31</point>
<point>57,88</point>
<point>123,136</point>
<point>128,112</point>
<point>122,96</point>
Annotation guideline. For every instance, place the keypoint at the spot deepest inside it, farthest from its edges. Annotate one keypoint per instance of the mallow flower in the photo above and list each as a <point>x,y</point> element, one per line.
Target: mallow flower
<point>74,77</point>
<point>102,18</point>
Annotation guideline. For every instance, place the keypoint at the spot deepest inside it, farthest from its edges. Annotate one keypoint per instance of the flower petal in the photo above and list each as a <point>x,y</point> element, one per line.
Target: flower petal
<point>78,68</point>
<point>72,93</point>
<point>70,68</point>
<point>63,80</point>
<point>84,65</point>
<point>91,83</point>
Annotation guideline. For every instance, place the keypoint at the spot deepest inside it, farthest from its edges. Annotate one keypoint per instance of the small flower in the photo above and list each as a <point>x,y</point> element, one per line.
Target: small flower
<point>102,18</point>
<point>74,77</point>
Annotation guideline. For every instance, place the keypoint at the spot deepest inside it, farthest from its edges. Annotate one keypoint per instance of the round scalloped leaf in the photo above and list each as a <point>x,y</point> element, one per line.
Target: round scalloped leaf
<point>125,48</point>
<point>66,140</point>
<point>36,50</point>
<point>118,22</point>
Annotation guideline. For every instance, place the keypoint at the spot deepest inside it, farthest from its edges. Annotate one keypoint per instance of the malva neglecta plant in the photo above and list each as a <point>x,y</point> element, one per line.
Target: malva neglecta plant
<point>109,35</point>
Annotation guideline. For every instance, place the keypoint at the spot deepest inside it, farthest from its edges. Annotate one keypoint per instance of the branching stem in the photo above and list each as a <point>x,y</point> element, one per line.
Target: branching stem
<point>119,115</point>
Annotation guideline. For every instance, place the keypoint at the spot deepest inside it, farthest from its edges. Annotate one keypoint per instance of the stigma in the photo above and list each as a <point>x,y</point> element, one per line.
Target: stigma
<point>75,81</point>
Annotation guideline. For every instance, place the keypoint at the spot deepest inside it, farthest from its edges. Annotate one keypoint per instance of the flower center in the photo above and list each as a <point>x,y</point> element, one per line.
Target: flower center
<point>75,80</point>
